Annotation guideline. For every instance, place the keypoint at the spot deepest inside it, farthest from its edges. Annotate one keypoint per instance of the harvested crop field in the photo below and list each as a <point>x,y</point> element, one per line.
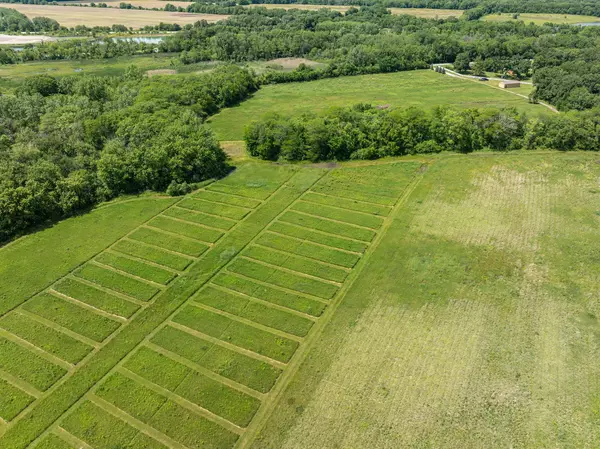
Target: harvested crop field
<point>446,301</point>
<point>71,16</point>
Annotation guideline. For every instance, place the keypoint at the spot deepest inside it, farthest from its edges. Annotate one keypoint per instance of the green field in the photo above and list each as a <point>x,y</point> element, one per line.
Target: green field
<point>540,19</point>
<point>448,301</point>
<point>421,88</point>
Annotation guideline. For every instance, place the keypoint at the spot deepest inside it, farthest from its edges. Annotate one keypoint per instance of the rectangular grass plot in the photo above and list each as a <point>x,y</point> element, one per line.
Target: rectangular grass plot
<point>254,180</point>
<point>233,405</point>
<point>331,227</point>
<point>236,333</point>
<point>193,216</point>
<point>28,366</point>
<point>52,441</point>
<point>136,268</point>
<point>347,203</point>
<point>223,210</point>
<point>353,193</point>
<point>44,337</point>
<point>233,200</point>
<point>72,317</point>
<point>152,254</point>
<point>347,216</point>
<point>12,400</point>
<point>270,294</point>
<point>96,298</point>
<point>117,282</point>
<point>253,373</point>
<point>317,237</point>
<point>170,242</point>
<point>185,229</point>
<point>284,279</point>
<point>251,310</point>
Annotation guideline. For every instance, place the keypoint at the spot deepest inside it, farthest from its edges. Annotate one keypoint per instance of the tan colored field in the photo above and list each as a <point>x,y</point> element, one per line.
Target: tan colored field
<point>418,12</point>
<point>159,4</point>
<point>540,19</point>
<point>71,16</point>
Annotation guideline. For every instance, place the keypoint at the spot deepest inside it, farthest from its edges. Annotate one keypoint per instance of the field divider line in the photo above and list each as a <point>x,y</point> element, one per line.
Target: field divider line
<point>145,261</point>
<point>344,209</point>
<point>185,403</point>
<point>209,213</point>
<point>134,422</point>
<point>174,234</point>
<point>263,302</point>
<point>227,345</point>
<point>277,287</point>
<point>290,271</point>
<point>20,384</point>
<point>71,439</point>
<point>84,305</point>
<point>350,199</point>
<point>206,372</point>
<point>193,223</point>
<point>246,321</point>
<point>120,295</point>
<point>57,327</point>
<point>307,258</point>
<point>39,351</point>
<point>167,250</point>
<point>335,220</point>
<point>269,405</point>
<point>129,275</point>
<point>322,245</point>
<point>318,231</point>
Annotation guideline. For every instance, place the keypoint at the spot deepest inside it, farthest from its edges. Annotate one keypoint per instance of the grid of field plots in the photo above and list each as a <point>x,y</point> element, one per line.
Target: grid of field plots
<point>198,377</point>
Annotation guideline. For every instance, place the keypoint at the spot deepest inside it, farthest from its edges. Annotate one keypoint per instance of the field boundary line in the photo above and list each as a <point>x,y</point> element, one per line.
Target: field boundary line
<point>350,199</point>
<point>205,371</point>
<point>307,258</point>
<point>193,223</point>
<point>132,276</point>
<point>345,209</point>
<point>70,438</point>
<point>183,402</point>
<point>107,290</point>
<point>270,403</point>
<point>336,221</point>
<point>57,327</point>
<point>323,232</point>
<point>264,302</point>
<point>167,250</point>
<point>248,322</point>
<point>347,251</point>
<point>36,349</point>
<point>93,309</point>
<point>147,262</point>
<point>21,385</point>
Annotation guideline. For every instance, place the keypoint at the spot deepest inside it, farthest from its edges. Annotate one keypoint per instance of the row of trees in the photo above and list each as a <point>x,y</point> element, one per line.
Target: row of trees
<point>13,21</point>
<point>367,132</point>
<point>69,143</point>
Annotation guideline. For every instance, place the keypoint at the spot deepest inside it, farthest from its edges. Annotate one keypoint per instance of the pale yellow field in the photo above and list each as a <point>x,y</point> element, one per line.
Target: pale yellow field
<point>159,4</point>
<point>418,12</point>
<point>71,16</point>
<point>540,19</point>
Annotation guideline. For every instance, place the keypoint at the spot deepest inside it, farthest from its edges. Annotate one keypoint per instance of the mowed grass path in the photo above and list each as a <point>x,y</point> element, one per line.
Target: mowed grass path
<point>422,88</point>
<point>474,323</point>
<point>540,19</point>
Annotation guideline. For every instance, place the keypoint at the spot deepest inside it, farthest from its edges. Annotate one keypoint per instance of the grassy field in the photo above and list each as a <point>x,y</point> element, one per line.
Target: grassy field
<point>426,13</point>
<point>149,4</point>
<point>71,16</point>
<point>540,19</point>
<point>422,88</point>
<point>446,301</point>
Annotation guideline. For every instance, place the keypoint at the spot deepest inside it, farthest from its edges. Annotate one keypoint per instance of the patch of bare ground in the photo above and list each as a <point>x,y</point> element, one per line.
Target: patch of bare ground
<point>159,72</point>
<point>293,63</point>
<point>235,149</point>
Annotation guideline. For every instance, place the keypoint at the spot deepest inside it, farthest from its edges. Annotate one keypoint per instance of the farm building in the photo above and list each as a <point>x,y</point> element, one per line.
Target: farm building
<point>509,84</point>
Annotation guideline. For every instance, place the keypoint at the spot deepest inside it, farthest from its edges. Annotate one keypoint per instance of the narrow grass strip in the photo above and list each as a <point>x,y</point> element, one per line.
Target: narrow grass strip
<point>314,236</point>
<point>232,200</point>
<point>332,227</point>
<point>137,268</point>
<point>223,210</point>
<point>189,230</point>
<point>52,441</point>
<point>347,216</point>
<point>343,190</point>
<point>345,203</point>
<point>117,282</point>
<point>152,254</point>
<point>200,218</point>
<point>12,400</point>
<point>171,242</point>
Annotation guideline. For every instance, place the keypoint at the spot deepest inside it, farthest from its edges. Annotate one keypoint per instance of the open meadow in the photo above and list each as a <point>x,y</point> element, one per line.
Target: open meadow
<point>72,16</point>
<point>540,19</point>
<point>421,88</point>
<point>443,301</point>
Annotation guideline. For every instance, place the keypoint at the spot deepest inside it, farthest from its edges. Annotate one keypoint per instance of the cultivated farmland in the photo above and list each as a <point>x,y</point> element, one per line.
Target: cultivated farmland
<point>421,88</point>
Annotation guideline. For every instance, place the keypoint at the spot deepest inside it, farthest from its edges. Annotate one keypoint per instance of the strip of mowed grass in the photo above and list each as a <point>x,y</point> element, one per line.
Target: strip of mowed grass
<point>346,203</point>
<point>347,192</point>
<point>282,278</point>
<point>189,230</point>
<point>160,257</point>
<point>217,197</point>
<point>259,313</point>
<point>253,373</point>
<point>168,241</point>
<point>27,366</point>
<point>332,227</point>
<point>44,337</point>
<point>254,180</point>
<point>137,268</point>
<point>333,241</point>
<point>101,430</point>
<point>223,210</point>
<point>292,262</point>
<point>231,404</point>
<point>52,441</point>
<point>175,421</point>
<point>75,318</point>
<point>117,282</point>
<point>200,218</point>
<point>270,294</point>
<point>236,333</point>
<point>96,298</point>
<point>308,249</point>
<point>368,221</point>
<point>12,400</point>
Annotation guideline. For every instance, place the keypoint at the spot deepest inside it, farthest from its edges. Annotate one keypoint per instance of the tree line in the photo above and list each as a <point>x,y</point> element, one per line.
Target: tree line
<point>367,132</point>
